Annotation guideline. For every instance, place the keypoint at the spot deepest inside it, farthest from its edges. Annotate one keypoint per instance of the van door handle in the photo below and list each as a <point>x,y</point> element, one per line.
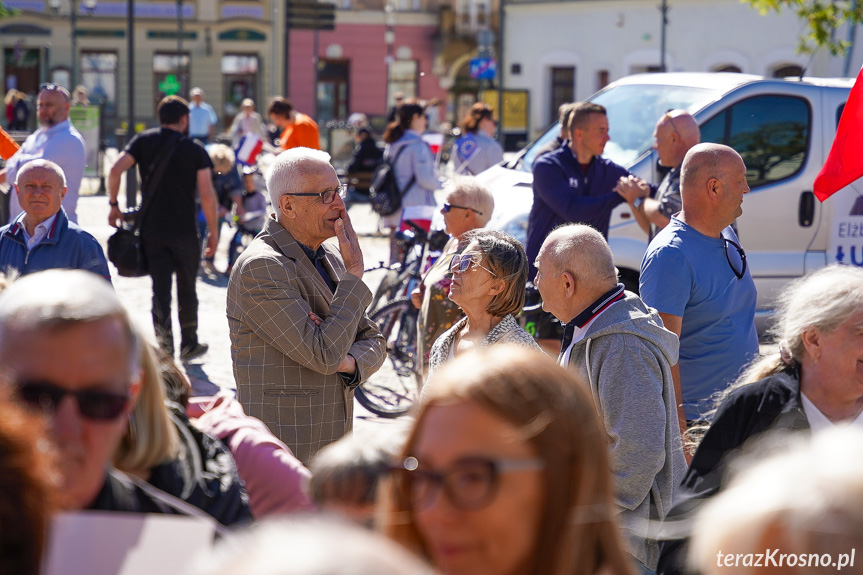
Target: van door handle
<point>806,211</point>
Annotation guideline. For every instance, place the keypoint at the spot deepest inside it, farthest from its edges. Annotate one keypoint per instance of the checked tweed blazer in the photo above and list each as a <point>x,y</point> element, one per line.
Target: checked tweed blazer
<point>285,366</point>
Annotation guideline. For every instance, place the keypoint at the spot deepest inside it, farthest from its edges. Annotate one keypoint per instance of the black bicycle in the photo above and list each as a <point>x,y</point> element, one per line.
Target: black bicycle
<point>392,391</point>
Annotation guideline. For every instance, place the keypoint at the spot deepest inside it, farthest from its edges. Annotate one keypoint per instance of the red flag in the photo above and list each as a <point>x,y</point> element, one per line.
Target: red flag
<point>845,162</point>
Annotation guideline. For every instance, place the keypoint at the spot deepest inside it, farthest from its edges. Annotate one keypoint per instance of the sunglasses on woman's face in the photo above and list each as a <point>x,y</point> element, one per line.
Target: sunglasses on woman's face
<point>462,262</point>
<point>92,404</point>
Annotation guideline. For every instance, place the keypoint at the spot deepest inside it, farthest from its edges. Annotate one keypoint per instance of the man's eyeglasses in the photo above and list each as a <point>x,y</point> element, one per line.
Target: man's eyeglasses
<point>327,196</point>
<point>462,262</point>
<point>92,404</point>
<point>49,87</point>
<point>469,484</point>
<point>736,257</point>
<point>447,207</point>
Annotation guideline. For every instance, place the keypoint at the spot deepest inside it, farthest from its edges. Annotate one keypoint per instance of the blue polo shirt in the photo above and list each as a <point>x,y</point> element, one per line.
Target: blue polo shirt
<point>688,274</point>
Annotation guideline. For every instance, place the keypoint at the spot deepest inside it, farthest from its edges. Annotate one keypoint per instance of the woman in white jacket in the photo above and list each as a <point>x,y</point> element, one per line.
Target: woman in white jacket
<point>414,167</point>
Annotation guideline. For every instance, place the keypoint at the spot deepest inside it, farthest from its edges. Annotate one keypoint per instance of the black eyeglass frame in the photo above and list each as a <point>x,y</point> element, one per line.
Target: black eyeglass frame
<point>93,404</point>
<point>341,190</point>
<point>440,480</point>
<point>448,206</point>
<point>740,252</point>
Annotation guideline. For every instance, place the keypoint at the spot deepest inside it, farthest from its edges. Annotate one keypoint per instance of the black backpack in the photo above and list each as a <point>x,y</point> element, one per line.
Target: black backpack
<point>384,193</point>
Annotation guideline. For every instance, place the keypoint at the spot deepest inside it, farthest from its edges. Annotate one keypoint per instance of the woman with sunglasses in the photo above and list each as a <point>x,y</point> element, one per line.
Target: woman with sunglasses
<point>414,168</point>
<point>468,206</point>
<point>488,281</point>
<point>505,472</point>
<point>477,150</point>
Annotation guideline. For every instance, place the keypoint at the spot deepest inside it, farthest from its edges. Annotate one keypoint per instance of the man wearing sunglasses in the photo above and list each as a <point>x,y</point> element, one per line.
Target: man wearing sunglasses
<point>70,352</point>
<point>674,135</point>
<point>695,274</point>
<point>56,140</point>
<point>300,339</point>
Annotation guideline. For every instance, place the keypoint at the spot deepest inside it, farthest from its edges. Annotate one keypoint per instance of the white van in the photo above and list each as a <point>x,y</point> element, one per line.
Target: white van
<point>783,129</point>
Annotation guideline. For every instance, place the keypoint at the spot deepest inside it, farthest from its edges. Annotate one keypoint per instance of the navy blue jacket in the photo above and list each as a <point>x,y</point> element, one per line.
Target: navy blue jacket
<point>563,193</point>
<point>65,247</point>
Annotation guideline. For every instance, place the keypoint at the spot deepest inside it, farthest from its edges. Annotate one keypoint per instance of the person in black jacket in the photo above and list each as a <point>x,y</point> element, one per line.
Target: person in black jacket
<point>814,382</point>
<point>367,156</point>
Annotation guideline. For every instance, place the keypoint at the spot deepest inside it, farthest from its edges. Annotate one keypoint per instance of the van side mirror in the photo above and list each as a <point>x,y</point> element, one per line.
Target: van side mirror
<point>806,211</point>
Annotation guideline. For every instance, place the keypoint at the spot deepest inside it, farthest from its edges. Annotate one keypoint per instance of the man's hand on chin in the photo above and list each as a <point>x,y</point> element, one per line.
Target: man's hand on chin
<point>349,245</point>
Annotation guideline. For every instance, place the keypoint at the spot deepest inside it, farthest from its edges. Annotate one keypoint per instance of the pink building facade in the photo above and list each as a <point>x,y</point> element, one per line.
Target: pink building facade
<point>353,68</point>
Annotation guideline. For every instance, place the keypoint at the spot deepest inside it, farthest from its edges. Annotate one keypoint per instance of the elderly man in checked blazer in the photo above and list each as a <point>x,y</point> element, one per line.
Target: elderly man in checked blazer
<point>300,339</point>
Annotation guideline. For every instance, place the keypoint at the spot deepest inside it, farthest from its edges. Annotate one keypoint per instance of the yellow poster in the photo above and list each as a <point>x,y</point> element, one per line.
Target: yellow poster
<point>514,116</point>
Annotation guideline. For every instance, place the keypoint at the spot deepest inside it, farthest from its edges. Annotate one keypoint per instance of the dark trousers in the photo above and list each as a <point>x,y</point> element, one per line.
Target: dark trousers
<point>166,257</point>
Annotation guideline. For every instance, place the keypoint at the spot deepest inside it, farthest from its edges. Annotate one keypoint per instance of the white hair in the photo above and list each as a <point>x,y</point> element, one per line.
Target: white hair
<point>290,169</point>
<point>472,194</point>
<point>309,545</point>
<point>802,495</point>
<point>583,252</point>
<point>41,163</point>
<point>59,298</point>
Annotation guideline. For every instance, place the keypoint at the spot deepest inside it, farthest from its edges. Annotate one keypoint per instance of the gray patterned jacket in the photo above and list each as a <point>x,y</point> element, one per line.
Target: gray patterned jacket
<point>285,365</point>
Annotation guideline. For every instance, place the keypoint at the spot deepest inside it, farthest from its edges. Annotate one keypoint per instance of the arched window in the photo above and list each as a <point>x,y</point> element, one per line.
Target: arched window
<point>727,68</point>
<point>787,70</point>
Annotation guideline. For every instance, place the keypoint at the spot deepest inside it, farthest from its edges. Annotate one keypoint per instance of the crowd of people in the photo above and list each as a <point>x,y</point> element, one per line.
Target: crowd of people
<point>639,446</point>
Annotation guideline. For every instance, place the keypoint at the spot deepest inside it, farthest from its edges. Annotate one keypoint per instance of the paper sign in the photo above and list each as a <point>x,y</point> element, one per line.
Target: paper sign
<point>111,543</point>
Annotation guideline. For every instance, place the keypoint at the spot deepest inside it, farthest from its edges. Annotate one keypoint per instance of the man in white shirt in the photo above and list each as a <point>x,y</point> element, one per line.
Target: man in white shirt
<point>56,140</point>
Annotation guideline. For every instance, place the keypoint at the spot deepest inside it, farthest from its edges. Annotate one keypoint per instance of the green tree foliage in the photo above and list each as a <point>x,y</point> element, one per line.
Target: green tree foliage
<point>821,18</point>
<point>6,12</point>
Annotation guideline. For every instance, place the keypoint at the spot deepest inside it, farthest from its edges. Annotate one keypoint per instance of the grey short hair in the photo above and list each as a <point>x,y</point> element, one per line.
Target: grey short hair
<point>472,194</point>
<point>222,156</point>
<point>309,545</point>
<point>583,252</point>
<point>41,163</point>
<point>62,298</point>
<point>290,169</point>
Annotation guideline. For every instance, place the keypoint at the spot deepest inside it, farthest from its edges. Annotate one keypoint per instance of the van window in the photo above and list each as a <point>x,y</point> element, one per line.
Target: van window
<point>771,133</point>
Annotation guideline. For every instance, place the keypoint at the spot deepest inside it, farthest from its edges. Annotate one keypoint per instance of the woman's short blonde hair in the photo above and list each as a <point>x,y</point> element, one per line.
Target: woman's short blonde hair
<point>554,411</point>
<point>151,438</point>
<point>505,257</point>
<point>223,158</point>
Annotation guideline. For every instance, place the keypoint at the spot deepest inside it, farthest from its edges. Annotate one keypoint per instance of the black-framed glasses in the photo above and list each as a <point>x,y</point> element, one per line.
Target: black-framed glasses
<point>469,484</point>
<point>327,196</point>
<point>736,257</point>
<point>92,403</point>
<point>462,262</point>
<point>448,206</point>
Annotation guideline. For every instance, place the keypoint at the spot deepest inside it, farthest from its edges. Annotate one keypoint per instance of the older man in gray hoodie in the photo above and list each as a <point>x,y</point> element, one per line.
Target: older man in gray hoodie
<point>625,354</point>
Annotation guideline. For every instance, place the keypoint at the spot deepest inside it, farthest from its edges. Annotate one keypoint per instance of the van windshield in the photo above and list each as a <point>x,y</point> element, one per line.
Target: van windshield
<point>633,110</point>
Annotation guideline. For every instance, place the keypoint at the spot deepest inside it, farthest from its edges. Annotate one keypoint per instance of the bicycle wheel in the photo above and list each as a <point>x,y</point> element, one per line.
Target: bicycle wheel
<point>394,388</point>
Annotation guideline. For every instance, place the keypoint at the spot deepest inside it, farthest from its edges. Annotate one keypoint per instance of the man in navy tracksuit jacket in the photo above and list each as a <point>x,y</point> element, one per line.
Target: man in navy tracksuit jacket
<point>42,237</point>
<point>573,184</point>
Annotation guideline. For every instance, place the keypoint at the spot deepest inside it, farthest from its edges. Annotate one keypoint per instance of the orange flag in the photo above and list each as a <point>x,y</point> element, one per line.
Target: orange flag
<point>845,162</point>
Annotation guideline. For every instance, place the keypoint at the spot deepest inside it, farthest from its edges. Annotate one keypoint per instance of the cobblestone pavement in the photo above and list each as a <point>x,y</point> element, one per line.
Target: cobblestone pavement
<point>213,370</point>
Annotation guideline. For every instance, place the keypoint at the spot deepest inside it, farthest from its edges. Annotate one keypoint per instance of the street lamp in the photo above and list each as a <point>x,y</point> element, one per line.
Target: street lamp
<point>89,5</point>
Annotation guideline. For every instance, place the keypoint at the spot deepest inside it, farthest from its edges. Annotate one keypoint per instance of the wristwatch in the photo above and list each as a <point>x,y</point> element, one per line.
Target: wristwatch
<point>636,203</point>
<point>113,204</point>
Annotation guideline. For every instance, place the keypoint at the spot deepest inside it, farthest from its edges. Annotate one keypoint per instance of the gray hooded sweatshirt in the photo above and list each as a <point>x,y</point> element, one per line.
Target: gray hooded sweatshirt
<point>626,357</point>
